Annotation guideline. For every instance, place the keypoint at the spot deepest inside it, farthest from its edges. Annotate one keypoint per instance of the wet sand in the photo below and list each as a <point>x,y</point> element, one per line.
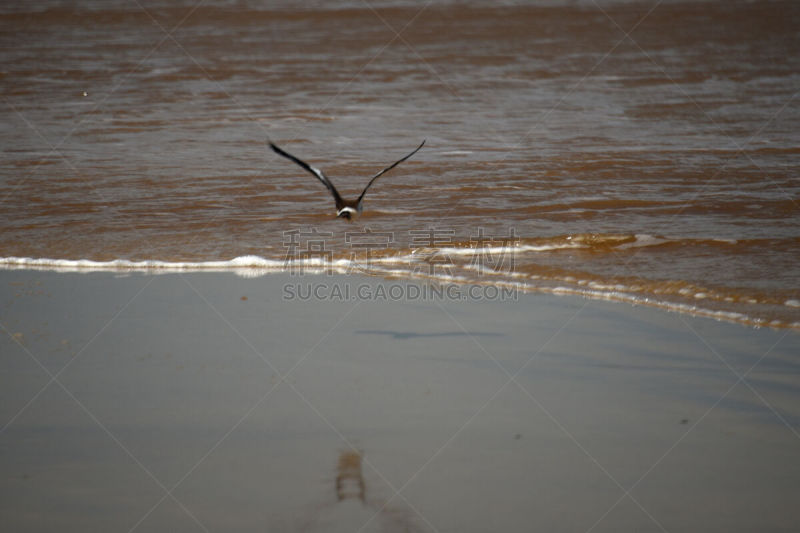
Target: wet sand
<point>213,402</point>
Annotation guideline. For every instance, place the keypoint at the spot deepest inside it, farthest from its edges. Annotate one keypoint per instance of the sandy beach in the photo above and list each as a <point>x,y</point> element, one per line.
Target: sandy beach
<point>214,402</point>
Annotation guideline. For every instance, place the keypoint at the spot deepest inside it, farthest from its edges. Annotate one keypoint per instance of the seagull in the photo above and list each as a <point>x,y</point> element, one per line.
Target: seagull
<point>344,208</point>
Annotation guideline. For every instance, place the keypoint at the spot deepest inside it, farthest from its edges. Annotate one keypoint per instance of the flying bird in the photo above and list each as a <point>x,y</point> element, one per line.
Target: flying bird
<point>344,208</point>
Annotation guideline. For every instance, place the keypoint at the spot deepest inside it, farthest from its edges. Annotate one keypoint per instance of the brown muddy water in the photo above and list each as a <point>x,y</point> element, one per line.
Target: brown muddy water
<point>637,151</point>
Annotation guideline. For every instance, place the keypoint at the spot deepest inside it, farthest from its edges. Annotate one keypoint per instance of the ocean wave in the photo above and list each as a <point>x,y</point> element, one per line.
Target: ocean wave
<point>672,295</point>
<point>593,242</point>
<point>249,262</point>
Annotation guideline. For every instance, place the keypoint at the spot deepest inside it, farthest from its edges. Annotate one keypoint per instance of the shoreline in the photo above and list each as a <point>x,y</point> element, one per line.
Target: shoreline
<point>206,400</point>
<point>256,266</point>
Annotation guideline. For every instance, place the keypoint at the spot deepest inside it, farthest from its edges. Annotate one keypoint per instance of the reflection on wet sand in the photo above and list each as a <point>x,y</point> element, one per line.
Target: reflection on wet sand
<point>349,479</point>
<point>352,511</point>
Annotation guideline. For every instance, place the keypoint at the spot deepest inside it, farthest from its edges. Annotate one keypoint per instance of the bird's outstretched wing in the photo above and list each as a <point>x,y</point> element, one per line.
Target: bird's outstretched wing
<point>384,171</point>
<point>314,170</point>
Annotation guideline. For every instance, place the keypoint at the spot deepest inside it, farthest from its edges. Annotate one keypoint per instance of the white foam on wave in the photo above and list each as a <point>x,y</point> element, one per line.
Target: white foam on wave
<point>643,240</point>
<point>633,295</point>
<point>633,299</point>
<point>409,268</point>
<point>573,242</point>
<point>247,265</point>
<point>498,250</point>
<point>88,265</point>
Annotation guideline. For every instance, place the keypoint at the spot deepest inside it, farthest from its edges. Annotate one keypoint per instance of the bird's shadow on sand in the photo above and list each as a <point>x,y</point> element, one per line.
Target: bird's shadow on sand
<point>418,335</point>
